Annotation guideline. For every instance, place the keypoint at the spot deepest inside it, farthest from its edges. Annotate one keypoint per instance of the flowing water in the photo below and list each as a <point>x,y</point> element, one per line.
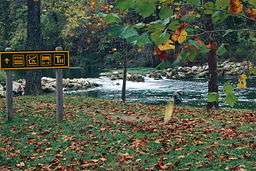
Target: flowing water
<point>194,92</point>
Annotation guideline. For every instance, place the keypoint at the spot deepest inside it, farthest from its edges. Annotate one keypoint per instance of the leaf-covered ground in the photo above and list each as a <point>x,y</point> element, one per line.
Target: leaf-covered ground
<point>108,135</point>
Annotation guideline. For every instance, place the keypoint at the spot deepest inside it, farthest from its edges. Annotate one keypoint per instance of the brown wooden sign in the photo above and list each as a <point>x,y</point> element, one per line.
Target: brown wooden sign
<point>34,60</point>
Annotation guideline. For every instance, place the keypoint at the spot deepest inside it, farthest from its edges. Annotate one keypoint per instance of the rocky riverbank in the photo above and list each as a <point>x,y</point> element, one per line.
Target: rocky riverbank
<point>226,68</point>
<point>49,85</point>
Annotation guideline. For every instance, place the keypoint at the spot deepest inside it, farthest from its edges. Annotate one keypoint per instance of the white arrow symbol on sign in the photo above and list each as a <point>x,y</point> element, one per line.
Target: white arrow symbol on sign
<point>7,60</point>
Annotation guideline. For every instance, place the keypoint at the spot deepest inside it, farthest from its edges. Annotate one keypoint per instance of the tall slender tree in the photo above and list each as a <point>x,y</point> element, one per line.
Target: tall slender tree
<point>212,59</point>
<point>5,22</point>
<point>34,42</point>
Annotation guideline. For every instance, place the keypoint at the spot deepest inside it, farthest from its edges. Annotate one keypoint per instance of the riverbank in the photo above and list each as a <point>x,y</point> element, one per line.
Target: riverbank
<point>225,69</point>
<point>49,85</point>
<point>102,134</point>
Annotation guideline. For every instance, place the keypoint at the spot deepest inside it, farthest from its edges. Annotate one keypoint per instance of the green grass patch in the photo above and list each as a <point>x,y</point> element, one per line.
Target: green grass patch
<point>91,137</point>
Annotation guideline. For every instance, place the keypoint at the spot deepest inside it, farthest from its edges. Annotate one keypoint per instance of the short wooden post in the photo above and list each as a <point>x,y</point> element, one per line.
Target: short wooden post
<point>59,91</point>
<point>9,93</point>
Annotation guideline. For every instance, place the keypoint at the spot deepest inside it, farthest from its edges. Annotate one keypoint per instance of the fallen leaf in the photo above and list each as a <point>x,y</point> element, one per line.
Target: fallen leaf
<point>138,143</point>
<point>125,157</point>
<point>169,111</point>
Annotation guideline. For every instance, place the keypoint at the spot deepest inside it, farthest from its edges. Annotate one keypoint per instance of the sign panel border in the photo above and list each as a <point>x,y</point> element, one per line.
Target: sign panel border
<point>35,67</point>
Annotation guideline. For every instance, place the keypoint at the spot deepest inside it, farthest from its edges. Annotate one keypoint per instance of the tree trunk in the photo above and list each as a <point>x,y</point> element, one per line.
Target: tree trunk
<point>6,22</point>
<point>212,62</point>
<point>124,79</point>
<point>34,42</point>
<point>155,61</point>
<point>148,54</point>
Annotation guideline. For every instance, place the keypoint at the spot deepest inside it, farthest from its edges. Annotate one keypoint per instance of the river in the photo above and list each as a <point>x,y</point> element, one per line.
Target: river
<point>194,92</point>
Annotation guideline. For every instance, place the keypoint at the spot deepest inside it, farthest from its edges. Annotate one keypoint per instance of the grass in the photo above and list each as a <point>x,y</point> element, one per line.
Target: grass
<point>109,135</point>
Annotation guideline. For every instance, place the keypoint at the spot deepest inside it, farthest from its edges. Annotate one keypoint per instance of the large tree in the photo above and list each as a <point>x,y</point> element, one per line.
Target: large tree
<point>34,42</point>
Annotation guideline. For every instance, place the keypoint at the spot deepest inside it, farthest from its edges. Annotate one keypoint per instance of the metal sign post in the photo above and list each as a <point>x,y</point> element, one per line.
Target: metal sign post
<point>59,92</point>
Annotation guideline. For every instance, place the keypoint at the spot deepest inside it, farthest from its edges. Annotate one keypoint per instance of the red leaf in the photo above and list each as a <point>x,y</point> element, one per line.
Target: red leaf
<point>161,54</point>
<point>138,143</point>
<point>125,157</point>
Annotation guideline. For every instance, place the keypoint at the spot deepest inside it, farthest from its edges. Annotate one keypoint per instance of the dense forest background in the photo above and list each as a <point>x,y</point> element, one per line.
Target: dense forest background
<point>77,26</point>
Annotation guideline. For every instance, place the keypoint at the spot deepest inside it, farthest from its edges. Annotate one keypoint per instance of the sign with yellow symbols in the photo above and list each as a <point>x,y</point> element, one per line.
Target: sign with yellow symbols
<point>34,60</point>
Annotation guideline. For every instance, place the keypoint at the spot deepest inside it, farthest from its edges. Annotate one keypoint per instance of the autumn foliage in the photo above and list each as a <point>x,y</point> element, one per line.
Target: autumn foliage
<point>251,13</point>
<point>235,6</point>
<point>161,54</point>
<point>180,35</point>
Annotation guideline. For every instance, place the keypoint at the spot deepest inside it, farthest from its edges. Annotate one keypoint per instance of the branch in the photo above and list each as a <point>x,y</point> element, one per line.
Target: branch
<point>216,31</point>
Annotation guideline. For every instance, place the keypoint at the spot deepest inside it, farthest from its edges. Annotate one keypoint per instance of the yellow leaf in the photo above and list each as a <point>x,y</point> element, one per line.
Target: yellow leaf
<point>167,45</point>
<point>169,111</point>
<point>183,36</point>
<point>242,84</point>
<point>243,77</point>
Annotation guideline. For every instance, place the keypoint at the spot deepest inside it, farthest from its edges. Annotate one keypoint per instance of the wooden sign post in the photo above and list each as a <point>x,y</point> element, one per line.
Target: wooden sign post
<point>59,92</point>
<point>9,94</point>
<point>28,60</point>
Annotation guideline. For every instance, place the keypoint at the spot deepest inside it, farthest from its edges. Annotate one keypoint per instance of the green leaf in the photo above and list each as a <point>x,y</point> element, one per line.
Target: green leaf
<point>165,12</point>
<point>145,7</point>
<point>132,39</point>
<point>115,30</point>
<point>189,54</point>
<point>228,88</point>
<point>125,4</point>
<point>193,55</point>
<point>221,50</point>
<point>174,25</point>
<point>231,100</point>
<point>184,55</point>
<point>159,37</point>
<point>213,97</point>
<point>221,4</point>
<point>202,48</point>
<point>252,2</point>
<point>219,17</point>
<point>192,42</point>
<point>139,25</point>
<point>156,26</point>
<point>129,32</point>
<point>142,40</point>
<point>111,18</point>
